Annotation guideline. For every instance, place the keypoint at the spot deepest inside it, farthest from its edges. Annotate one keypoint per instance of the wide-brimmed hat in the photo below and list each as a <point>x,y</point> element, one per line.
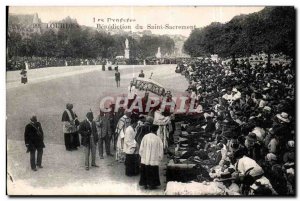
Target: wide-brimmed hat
<point>283,117</point>
<point>290,171</point>
<point>271,157</point>
<point>262,103</point>
<point>291,143</point>
<point>234,90</point>
<point>267,108</point>
<point>208,115</point>
<point>261,190</point>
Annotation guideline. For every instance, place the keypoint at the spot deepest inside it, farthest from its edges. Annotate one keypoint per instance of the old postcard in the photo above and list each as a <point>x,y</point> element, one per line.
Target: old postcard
<point>151,100</point>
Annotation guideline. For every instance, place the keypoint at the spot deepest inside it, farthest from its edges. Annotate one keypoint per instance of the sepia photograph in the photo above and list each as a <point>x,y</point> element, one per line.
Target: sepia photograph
<point>151,101</point>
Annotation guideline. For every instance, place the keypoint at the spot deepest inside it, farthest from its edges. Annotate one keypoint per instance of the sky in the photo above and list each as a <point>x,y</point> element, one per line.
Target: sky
<point>177,16</point>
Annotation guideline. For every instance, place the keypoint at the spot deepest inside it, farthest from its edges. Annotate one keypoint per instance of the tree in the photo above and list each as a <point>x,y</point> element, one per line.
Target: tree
<point>84,42</point>
<point>13,44</point>
<point>272,30</point>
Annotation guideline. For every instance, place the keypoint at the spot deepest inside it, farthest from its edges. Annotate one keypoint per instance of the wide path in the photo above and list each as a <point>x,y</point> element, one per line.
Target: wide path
<point>45,95</point>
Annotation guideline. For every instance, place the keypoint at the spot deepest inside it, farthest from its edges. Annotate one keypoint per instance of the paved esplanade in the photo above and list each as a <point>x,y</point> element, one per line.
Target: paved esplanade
<point>46,94</point>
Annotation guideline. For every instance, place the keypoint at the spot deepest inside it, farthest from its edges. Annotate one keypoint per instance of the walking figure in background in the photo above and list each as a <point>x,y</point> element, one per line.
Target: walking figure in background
<point>88,131</point>
<point>118,77</point>
<point>23,76</point>
<point>142,74</point>
<point>70,123</point>
<point>34,141</point>
<point>131,94</point>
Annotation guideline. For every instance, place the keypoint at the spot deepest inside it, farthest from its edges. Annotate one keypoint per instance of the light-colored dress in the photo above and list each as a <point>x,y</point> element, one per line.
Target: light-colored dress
<point>123,123</point>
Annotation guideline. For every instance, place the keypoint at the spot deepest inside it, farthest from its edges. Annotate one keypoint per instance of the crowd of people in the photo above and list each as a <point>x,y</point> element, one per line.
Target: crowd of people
<point>241,133</point>
<point>246,120</point>
<point>19,63</point>
<point>132,136</point>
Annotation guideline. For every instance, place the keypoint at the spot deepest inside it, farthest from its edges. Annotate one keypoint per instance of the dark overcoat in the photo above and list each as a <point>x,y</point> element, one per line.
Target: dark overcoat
<point>34,136</point>
<point>86,131</point>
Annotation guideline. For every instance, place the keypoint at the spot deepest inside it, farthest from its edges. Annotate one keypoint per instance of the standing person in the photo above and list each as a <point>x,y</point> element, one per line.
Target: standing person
<point>34,141</point>
<point>117,116</point>
<point>130,149</point>
<point>118,77</point>
<point>23,76</point>
<point>103,123</point>
<point>143,129</point>
<point>70,123</point>
<point>250,171</point>
<point>132,94</point>
<point>123,123</point>
<point>151,152</point>
<point>88,131</point>
<point>142,74</point>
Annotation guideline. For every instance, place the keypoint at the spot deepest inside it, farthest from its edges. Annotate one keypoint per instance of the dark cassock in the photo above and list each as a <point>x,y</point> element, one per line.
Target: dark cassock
<point>70,123</point>
<point>132,160</point>
<point>23,76</point>
<point>142,74</point>
<point>151,153</point>
<point>117,78</point>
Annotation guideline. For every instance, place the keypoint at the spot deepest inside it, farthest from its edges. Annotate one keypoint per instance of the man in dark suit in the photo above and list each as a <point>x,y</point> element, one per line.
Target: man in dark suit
<point>34,141</point>
<point>88,131</point>
<point>103,123</point>
<point>143,130</point>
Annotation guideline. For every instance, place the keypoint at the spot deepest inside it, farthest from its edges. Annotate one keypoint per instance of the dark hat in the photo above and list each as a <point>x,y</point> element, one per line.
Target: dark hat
<point>229,133</point>
<point>283,117</point>
<point>225,175</point>
<point>239,153</point>
<point>262,190</point>
<point>33,118</point>
<point>291,157</point>
<point>149,119</point>
<point>251,137</point>
<point>89,114</point>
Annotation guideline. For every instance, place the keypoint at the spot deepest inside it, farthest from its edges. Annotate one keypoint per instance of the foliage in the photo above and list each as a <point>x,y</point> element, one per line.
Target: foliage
<point>85,42</point>
<point>272,30</point>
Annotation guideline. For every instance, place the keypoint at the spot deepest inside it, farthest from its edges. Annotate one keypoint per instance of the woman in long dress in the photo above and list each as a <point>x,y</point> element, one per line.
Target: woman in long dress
<point>23,76</point>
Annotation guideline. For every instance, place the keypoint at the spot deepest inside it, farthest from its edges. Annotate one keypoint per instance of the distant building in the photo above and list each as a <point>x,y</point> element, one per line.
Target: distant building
<point>25,25</point>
